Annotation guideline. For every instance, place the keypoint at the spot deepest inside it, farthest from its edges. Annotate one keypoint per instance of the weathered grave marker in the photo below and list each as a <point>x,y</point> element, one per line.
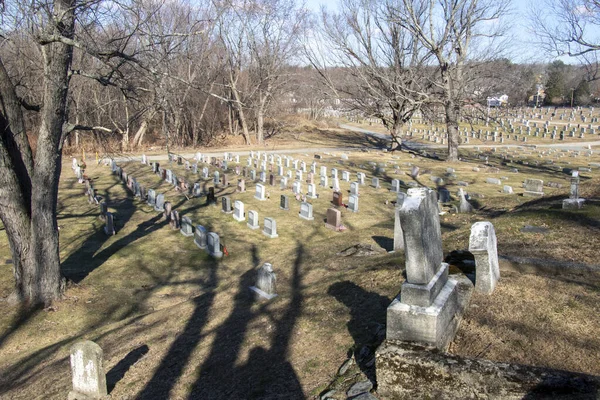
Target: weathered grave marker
<point>426,308</point>
<point>87,369</point>
<point>266,282</point>
<point>483,245</point>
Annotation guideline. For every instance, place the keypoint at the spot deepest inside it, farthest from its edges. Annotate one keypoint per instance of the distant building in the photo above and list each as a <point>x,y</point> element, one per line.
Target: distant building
<point>497,101</point>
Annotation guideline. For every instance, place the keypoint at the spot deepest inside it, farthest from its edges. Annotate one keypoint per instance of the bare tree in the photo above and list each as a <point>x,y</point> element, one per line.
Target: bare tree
<point>386,63</point>
<point>274,42</point>
<point>567,27</point>
<point>29,179</point>
<point>457,33</point>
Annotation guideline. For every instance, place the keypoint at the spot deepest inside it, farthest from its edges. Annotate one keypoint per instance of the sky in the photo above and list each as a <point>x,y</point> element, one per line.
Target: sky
<point>522,47</point>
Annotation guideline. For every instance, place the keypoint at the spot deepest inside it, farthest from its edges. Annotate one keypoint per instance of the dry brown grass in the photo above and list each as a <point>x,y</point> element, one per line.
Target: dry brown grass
<point>208,338</point>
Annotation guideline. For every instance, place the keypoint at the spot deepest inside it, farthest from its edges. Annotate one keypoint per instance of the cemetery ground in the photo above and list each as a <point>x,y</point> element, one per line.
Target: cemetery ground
<point>174,322</point>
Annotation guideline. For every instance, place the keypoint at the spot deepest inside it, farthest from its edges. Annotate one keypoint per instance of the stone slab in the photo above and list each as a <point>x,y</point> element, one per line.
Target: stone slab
<point>409,371</point>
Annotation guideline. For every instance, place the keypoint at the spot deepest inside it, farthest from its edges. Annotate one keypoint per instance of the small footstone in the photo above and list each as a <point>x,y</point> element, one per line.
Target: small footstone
<point>359,387</point>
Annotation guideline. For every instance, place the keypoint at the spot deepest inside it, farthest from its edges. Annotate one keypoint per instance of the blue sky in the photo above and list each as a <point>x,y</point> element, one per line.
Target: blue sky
<point>522,48</point>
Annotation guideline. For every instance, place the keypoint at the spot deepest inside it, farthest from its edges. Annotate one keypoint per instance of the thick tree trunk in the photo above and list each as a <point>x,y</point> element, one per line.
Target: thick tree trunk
<point>29,194</point>
<point>397,132</point>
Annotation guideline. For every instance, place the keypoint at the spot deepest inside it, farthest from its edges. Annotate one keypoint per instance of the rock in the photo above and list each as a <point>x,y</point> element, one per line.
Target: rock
<point>347,364</point>
<point>533,229</point>
<point>328,394</point>
<point>359,387</point>
<point>360,250</point>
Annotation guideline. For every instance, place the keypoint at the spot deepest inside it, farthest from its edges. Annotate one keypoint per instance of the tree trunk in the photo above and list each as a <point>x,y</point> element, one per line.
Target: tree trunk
<point>260,121</point>
<point>241,116</point>
<point>29,216</point>
<point>396,133</point>
<point>452,112</point>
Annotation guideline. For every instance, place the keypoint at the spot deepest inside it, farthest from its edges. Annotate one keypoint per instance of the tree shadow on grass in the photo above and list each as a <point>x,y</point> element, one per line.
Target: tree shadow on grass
<point>267,374</point>
<point>367,319</point>
<point>176,359</point>
<point>86,259</point>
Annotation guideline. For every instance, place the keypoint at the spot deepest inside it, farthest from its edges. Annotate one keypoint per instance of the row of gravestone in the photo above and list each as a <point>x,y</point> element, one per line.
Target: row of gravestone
<point>208,241</point>
<point>93,198</point>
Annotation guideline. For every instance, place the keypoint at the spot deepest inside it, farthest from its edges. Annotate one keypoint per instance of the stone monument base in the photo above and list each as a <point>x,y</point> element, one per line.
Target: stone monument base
<point>262,294</point>
<point>435,325</point>
<point>408,371</point>
<point>572,204</point>
<point>527,193</point>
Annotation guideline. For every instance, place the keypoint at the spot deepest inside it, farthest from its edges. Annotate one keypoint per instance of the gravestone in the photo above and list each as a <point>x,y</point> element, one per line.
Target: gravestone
<point>493,181</point>
<point>323,181</point>
<point>225,180</point>
<point>238,211</point>
<point>312,191</point>
<point>241,186</point>
<point>87,369</point>
<point>395,185</point>
<point>210,197</point>
<point>200,236</point>
<point>361,178</point>
<point>253,219</point>
<point>534,188</point>
<point>354,188</point>
<point>353,203</point>
<point>265,283</point>
<point>187,228</point>
<point>484,247</point>
<point>336,184</point>
<point>414,172</point>
<point>297,187</point>
<point>270,228</point>
<point>345,176</point>
<point>375,183</point>
<point>443,195</point>
<point>260,192</point>
<point>226,205</point>
<point>398,235</point>
<point>306,211</point>
<point>216,178</point>
<point>334,173</point>
<point>159,205</point>
<point>334,219</point>
<point>283,183</point>
<point>574,201</point>
<point>507,189</point>
<point>284,203</point>
<point>464,206</point>
<point>109,227</point>
<point>426,307</point>
<point>271,179</point>
<point>174,222</point>
<point>167,213</point>
<point>213,245</point>
<point>338,199</point>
